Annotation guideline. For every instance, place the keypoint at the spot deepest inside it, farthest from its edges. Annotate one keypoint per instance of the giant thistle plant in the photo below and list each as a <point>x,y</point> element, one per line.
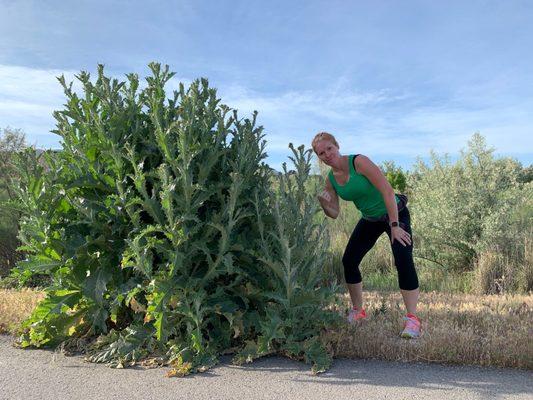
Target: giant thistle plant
<point>162,234</point>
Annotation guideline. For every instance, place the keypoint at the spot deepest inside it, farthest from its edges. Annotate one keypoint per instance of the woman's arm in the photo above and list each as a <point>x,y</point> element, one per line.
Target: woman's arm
<point>365,166</point>
<point>329,200</point>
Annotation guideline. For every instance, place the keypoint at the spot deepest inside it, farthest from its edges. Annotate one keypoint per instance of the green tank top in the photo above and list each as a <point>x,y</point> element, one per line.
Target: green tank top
<point>358,189</point>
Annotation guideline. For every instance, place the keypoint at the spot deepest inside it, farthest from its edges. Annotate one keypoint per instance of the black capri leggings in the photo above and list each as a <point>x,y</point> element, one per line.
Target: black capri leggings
<point>365,235</point>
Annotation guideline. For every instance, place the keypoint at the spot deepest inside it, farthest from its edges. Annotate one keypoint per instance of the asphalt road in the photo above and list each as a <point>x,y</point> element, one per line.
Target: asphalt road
<point>41,374</point>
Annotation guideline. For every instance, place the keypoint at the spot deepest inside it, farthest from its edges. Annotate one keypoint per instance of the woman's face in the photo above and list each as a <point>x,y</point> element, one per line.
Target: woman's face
<point>327,152</point>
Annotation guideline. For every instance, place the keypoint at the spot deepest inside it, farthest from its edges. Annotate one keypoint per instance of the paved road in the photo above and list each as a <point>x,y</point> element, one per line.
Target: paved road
<point>41,374</point>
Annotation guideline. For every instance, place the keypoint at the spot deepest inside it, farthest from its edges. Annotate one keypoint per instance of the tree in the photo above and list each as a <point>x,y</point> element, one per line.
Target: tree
<point>12,141</point>
<point>471,207</point>
<point>395,175</point>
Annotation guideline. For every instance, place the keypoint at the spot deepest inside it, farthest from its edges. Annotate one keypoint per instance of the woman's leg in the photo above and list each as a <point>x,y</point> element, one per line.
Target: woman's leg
<point>410,299</point>
<point>403,259</point>
<point>356,294</point>
<point>363,237</point>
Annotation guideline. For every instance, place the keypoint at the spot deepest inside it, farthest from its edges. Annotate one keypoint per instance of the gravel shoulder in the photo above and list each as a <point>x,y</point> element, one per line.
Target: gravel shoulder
<point>43,374</point>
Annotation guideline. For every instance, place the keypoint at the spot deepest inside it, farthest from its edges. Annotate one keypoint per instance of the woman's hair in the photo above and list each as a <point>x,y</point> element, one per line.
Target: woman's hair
<point>323,136</point>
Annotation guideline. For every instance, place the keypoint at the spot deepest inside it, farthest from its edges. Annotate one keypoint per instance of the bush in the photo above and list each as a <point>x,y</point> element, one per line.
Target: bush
<point>472,211</point>
<point>161,235</point>
<point>12,141</point>
<point>395,175</point>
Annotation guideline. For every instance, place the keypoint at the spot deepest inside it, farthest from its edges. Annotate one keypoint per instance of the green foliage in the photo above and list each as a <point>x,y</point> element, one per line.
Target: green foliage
<point>475,205</point>
<point>395,175</point>
<point>160,233</point>
<point>293,254</point>
<point>12,141</point>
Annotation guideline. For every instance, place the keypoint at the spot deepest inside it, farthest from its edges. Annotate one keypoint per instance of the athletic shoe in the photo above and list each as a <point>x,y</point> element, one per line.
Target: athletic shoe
<point>356,315</point>
<point>411,328</point>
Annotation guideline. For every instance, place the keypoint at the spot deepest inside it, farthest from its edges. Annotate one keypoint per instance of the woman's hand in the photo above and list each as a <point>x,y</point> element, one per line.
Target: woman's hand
<point>324,195</point>
<point>400,235</point>
<point>329,203</point>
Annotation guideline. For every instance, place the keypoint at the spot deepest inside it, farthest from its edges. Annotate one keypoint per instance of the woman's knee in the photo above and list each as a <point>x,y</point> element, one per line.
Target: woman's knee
<point>407,276</point>
<point>352,275</point>
<point>408,282</point>
<point>350,262</point>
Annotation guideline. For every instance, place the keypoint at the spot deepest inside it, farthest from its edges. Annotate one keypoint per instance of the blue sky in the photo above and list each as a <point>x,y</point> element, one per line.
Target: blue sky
<point>391,79</point>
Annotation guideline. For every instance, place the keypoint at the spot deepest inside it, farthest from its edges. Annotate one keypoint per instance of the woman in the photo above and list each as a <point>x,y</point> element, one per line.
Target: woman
<point>356,178</point>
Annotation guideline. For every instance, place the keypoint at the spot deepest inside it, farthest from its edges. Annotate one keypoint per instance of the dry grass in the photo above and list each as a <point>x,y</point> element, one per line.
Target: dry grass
<point>15,306</point>
<point>492,330</point>
<point>460,329</point>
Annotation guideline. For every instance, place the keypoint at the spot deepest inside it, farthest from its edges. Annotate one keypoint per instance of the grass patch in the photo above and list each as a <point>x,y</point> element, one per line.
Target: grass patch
<point>465,329</point>
<point>491,330</point>
<point>16,306</point>
<point>431,280</point>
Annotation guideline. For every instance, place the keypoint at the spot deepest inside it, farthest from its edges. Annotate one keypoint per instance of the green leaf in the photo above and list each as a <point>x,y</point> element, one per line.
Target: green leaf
<point>55,302</point>
<point>39,263</point>
<point>95,285</point>
<point>316,354</point>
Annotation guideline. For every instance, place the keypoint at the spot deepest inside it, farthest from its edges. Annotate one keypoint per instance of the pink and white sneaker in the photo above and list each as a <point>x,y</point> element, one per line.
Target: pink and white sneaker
<point>356,315</point>
<point>411,328</point>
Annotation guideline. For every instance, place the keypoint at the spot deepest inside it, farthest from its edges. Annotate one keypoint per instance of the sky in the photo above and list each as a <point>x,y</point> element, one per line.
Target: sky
<point>390,79</point>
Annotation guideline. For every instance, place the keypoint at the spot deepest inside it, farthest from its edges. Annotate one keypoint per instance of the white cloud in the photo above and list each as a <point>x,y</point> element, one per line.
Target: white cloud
<point>328,104</point>
<point>385,123</point>
<point>36,86</point>
<point>17,107</point>
<point>295,116</point>
<point>378,123</point>
<point>508,128</point>
<point>29,96</point>
<point>27,99</point>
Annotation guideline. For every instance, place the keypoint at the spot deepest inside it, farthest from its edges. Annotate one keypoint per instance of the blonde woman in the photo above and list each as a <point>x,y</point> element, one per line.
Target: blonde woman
<point>356,178</point>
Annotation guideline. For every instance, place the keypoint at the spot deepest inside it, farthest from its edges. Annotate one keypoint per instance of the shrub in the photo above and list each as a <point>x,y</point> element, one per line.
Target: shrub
<point>464,210</point>
<point>12,141</point>
<point>160,232</point>
<point>395,175</point>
